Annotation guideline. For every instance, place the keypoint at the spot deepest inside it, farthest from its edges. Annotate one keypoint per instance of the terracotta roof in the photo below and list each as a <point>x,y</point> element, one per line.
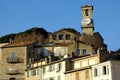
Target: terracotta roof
<point>2,44</point>
<point>18,44</point>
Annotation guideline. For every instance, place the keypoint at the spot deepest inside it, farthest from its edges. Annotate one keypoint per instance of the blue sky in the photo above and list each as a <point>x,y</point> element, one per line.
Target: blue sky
<point>19,15</point>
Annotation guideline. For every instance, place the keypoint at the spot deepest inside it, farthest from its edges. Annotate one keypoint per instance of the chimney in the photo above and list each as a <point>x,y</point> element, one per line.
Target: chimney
<point>10,41</point>
<point>72,54</point>
<point>46,60</point>
<point>50,58</point>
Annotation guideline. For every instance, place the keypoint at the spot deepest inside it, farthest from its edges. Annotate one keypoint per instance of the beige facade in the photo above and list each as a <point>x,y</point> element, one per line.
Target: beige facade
<point>13,62</point>
<point>83,74</point>
<point>63,42</point>
<point>55,70</point>
<point>62,36</point>
<point>81,67</point>
<point>33,70</point>
<point>2,44</point>
<point>34,74</point>
<point>48,70</point>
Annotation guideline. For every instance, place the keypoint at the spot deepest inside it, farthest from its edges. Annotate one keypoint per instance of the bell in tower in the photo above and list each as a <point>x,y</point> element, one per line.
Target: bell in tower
<point>87,21</point>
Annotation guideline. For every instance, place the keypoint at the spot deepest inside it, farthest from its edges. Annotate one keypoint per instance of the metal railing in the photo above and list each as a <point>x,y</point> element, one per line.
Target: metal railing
<point>14,60</point>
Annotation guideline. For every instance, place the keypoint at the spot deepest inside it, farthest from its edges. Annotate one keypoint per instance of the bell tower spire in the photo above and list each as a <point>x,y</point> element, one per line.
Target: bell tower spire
<point>87,21</point>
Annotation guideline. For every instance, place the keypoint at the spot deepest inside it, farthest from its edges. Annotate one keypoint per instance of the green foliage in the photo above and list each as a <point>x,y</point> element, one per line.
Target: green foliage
<point>6,38</point>
<point>26,34</point>
<point>34,30</point>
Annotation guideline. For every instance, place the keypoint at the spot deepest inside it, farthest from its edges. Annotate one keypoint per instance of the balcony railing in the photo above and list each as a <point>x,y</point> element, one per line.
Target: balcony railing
<point>12,71</point>
<point>14,60</point>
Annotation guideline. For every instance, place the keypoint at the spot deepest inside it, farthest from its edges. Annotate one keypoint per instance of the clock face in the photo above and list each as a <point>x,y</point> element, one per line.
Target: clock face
<point>86,21</point>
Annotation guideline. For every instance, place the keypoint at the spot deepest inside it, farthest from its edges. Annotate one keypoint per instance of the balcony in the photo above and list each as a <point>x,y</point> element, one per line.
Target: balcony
<point>12,71</point>
<point>14,60</point>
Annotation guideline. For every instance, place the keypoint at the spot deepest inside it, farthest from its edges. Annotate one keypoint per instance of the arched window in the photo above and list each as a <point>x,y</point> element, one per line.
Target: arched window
<point>13,55</point>
<point>86,12</point>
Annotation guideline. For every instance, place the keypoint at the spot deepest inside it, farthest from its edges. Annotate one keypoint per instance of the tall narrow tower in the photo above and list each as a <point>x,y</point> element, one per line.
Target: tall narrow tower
<point>87,21</point>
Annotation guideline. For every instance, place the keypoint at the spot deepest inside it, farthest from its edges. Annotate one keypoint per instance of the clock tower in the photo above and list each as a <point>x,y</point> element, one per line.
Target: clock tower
<point>87,21</point>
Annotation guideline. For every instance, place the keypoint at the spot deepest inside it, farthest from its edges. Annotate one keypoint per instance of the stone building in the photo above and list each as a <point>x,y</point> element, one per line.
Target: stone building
<point>90,49</point>
<point>77,52</point>
<point>63,41</point>
<point>14,60</point>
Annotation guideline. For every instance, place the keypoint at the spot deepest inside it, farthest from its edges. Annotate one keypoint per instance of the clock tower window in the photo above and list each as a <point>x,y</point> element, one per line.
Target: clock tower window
<point>86,12</point>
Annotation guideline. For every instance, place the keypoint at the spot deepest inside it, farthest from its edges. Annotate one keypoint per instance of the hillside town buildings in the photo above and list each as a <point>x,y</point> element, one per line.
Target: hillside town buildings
<point>65,55</point>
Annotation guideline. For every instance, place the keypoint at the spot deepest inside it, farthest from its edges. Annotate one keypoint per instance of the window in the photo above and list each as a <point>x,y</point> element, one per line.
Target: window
<point>51,78</point>
<point>46,51</point>
<point>87,75</point>
<point>59,66</point>
<point>50,68</point>
<point>107,69</point>
<point>86,12</point>
<point>43,70</point>
<point>67,37</point>
<point>54,37</point>
<point>27,73</point>
<point>84,52</point>
<point>38,71</point>
<point>78,52</point>
<point>59,77</point>
<point>60,37</point>
<point>33,72</point>
<point>104,70</point>
<point>38,50</point>
<point>13,56</point>
<point>77,76</point>
<point>95,72</point>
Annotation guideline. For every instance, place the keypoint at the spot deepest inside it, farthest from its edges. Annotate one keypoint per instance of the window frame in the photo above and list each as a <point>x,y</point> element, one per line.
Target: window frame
<point>13,55</point>
<point>86,12</point>
<point>77,76</point>
<point>104,68</point>
<point>54,37</point>
<point>59,77</point>
<point>43,69</point>
<point>84,51</point>
<point>78,52</point>
<point>95,72</point>
<point>67,36</point>
<point>61,37</point>
<point>50,68</point>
